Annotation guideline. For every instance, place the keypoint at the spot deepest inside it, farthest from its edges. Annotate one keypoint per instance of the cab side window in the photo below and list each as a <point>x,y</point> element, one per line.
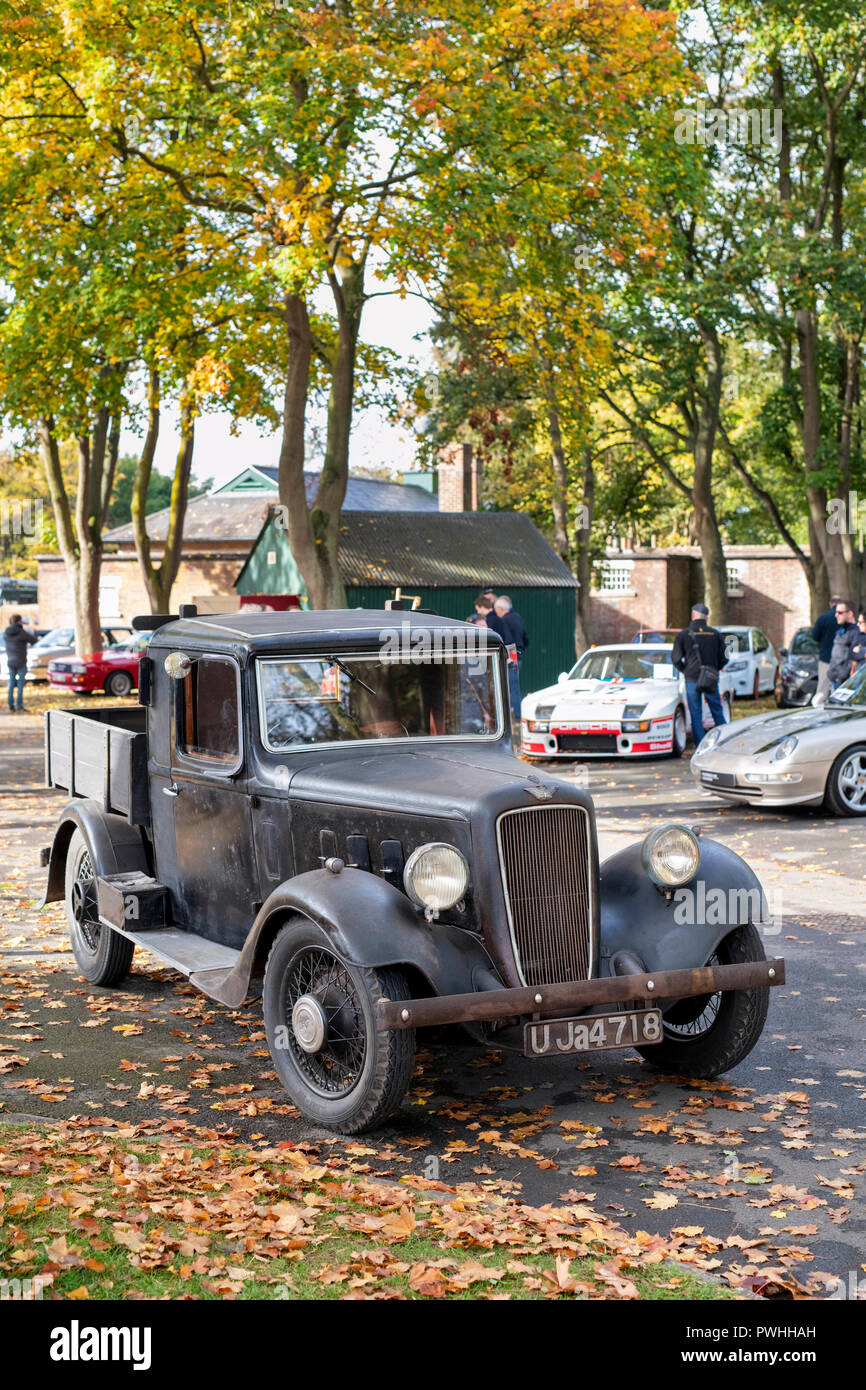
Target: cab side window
<point>208,712</point>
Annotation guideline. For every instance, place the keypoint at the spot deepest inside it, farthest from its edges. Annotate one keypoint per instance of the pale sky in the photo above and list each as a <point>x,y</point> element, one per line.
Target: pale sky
<point>389,322</point>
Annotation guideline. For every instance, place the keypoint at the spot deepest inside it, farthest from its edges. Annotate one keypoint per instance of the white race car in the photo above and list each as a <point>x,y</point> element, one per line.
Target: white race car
<point>626,701</point>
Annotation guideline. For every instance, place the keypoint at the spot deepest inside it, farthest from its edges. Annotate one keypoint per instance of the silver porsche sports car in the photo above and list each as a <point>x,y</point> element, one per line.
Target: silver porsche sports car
<point>809,755</point>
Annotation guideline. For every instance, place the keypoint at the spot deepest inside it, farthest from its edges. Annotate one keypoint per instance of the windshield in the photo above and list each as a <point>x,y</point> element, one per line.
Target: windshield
<point>623,663</point>
<point>329,699</point>
<point>852,691</point>
<point>804,643</point>
<point>735,641</point>
<point>57,637</point>
<point>136,643</point>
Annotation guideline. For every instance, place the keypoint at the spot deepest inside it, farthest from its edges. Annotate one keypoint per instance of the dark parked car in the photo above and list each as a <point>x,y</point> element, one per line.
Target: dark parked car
<point>797,680</point>
<point>328,803</point>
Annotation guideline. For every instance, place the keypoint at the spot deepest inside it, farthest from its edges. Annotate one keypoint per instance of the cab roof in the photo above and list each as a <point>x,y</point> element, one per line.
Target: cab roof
<point>310,628</point>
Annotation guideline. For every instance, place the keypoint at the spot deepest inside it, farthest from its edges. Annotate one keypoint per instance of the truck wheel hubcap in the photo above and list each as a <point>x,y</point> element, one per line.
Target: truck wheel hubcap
<point>309,1023</point>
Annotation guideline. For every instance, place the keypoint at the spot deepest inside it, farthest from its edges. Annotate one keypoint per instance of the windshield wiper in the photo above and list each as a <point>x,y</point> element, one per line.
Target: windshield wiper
<point>352,675</point>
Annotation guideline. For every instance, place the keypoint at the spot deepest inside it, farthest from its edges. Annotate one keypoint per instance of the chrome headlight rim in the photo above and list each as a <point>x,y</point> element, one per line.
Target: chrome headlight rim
<point>441,904</point>
<point>711,739</point>
<point>650,844</point>
<point>784,750</point>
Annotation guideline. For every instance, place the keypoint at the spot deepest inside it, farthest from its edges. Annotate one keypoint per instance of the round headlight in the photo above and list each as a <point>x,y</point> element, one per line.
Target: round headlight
<point>671,855</point>
<point>785,748</point>
<point>710,739</point>
<point>436,876</point>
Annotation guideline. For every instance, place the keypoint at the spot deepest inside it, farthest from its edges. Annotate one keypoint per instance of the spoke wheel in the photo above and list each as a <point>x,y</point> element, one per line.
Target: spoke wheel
<point>103,955</point>
<point>321,1019</point>
<point>336,1066</point>
<point>710,1034</point>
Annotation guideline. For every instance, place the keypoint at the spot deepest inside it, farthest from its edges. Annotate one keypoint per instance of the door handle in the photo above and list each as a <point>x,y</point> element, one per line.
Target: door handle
<point>171,790</point>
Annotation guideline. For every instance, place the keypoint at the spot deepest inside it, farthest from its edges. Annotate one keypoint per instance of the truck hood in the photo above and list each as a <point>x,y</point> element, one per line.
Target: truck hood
<point>451,784</point>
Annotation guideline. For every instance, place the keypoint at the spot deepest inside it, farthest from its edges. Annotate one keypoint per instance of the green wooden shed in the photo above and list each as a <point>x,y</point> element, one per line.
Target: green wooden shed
<point>446,558</point>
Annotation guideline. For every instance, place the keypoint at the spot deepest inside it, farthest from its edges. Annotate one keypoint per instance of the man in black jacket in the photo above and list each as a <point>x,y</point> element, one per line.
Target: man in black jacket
<point>695,646</point>
<point>841,658</point>
<point>824,631</point>
<point>17,640</point>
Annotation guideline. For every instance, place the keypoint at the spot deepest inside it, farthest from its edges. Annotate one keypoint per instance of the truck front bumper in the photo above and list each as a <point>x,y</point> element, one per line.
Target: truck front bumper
<point>550,1001</point>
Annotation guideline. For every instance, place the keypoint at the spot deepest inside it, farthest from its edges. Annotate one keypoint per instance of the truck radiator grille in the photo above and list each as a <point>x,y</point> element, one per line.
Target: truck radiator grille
<point>544,857</point>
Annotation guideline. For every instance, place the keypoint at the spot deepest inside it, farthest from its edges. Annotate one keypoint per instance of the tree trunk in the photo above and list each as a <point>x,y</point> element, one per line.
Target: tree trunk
<point>313,531</point>
<point>706,522</point>
<point>583,561</point>
<point>559,493</point>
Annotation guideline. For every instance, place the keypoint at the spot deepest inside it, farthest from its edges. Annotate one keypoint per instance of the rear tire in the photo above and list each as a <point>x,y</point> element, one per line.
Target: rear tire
<point>706,1036</point>
<point>359,1073</point>
<point>103,955</point>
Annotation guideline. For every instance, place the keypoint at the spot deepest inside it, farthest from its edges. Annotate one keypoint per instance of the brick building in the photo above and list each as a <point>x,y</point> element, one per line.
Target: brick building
<point>656,588</point>
<point>219,531</point>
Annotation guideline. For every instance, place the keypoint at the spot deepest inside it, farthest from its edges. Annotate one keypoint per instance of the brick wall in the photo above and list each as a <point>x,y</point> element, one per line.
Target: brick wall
<point>199,573</point>
<point>774,595</point>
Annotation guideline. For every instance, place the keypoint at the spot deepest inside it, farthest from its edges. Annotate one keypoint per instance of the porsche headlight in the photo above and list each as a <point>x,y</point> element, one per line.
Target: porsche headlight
<point>671,855</point>
<point>710,739</point>
<point>436,876</point>
<point>785,748</point>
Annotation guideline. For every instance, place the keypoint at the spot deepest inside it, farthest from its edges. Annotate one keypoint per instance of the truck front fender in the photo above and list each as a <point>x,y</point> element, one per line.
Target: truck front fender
<point>682,930</point>
<point>370,923</point>
<point>116,847</point>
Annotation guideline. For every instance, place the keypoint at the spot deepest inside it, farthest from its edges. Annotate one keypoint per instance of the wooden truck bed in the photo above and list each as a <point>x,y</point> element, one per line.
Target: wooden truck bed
<point>101,754</point>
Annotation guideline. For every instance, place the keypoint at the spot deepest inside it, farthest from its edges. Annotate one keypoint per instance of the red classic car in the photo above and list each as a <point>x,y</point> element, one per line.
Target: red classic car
<point>114,670</point>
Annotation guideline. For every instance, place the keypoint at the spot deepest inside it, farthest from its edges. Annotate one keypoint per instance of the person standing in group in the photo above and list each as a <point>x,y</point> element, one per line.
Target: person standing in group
<point>517,641</point>
<point>17,640</point>
<point>700,653</point>
<point>823,632</point>
<point>847,633</point>
<point>487,614</point>
<point>858,646</point>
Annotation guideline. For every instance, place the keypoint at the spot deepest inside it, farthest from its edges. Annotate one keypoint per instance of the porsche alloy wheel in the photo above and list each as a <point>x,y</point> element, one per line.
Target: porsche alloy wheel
<point>103,955</point>
<point>846,784</point>
<point>339,1068</point>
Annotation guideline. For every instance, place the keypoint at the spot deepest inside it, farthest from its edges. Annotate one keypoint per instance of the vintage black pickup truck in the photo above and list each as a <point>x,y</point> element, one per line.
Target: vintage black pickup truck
<point>325,808</point>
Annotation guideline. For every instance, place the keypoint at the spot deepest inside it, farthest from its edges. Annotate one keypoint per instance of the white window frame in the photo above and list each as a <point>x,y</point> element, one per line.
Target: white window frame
<point>734,571</point>
<point>610,568</point>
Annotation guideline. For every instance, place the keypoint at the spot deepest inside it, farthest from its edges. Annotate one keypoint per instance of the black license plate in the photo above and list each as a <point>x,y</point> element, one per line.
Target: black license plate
<point>718,779</point>
<point>592,1033</point>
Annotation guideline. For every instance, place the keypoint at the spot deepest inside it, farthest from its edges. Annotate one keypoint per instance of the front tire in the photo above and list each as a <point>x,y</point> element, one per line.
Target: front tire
<point>339,1068</point>
<point>708,1035</point>
<point>680,734</point>
<point>845,794</point>
<point>103,955</point>
<point>119,683</point>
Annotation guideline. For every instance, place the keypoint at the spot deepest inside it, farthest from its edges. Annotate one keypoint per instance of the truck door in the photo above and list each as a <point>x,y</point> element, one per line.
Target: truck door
<point>202,824</point>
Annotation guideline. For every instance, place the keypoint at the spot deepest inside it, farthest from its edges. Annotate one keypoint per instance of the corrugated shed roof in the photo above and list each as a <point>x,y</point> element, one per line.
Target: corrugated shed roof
<point>454,549</point>
<point>239,517</point>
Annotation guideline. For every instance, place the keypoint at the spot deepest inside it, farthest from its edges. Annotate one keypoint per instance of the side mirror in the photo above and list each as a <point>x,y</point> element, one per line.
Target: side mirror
<point>783,651</point>
<point>178,665</point>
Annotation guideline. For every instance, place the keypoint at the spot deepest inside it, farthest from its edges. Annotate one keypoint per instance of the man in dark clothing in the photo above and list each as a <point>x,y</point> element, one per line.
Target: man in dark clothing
<point>858,647</point>
<point>487,614</point>
<point>695,646</point>
<point>517,639</point>
<point>823,632</point>
<point>841,659</point>
<point>17,640</point>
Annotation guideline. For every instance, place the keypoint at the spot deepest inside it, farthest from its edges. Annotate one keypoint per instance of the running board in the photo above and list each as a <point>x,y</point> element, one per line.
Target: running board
<point>192,955</point>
